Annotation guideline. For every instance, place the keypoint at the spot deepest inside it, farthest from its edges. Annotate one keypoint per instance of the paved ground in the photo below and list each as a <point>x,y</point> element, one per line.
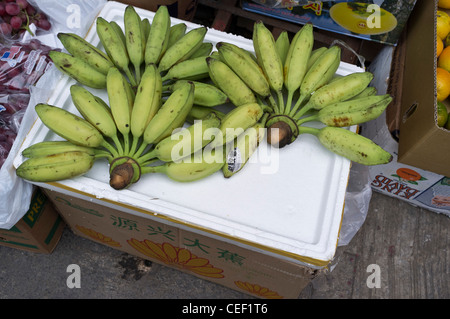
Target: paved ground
<point>409,244</point>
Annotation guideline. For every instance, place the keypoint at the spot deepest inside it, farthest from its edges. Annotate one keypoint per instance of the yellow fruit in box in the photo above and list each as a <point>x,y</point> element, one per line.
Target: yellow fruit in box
<point>444,4</point>
<point>439,46</point>
<point>442,84</point>
<point>444,59</point>
<point>442,114</point>
<point>442,24</point>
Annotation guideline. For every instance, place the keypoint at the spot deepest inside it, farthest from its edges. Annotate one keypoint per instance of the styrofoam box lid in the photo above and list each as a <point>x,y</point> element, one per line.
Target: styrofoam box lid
<point>289,200</point>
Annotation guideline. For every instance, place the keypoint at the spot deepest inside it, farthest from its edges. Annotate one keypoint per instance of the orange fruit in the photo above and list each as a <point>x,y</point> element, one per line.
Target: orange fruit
<point>442,24</point>
<point>442,84</point>
<point>444,59</point>
<point>439,46</point>
<point>442,114</point>
<point>444,4</point>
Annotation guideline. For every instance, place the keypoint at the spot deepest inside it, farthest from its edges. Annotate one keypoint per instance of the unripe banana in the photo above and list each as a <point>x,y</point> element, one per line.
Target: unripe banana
<point>296,64</point>
<point>93,111</point>
<point>244,147</point>
<point>354,112</point>
<point>368,91</point>
<point>282,44</point>
<point>205,94</point>
<point>114,47</point>
<point>175,107</point>
<point>158,38</point>
<point>120,102</point>
<point>83,50</point>
<point>237,121</point>
<point>134,39</point>
<point>147,100</point>
<point>341,89</point>
<point>191,69</point>
<point>176,32</point>
<point>267,55</point>
<point>200,165</point>
<point>315,55</point>
<point>145,27</point>
<point>245,67</point>
<point>200,112</point>
<point>319,74</point>
<point>69,126</point>
<point>119,31</point>
<point>55,167</point>
<point>46,148</point>
<point>350,145</point>
<point>78,70</point>
<point>204,50</point>
<point>230,83</point>
<point>183,48</point>
<point>184,142</point>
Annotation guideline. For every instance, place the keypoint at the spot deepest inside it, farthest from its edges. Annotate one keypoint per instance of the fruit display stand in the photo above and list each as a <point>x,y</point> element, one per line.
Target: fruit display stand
<point>419,172</point>
<point>270,228</point>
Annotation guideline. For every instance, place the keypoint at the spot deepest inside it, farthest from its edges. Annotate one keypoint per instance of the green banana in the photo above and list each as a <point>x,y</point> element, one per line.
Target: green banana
<point>205,94</point>
<point>341,89</point>
<point>200,165</point>
<point>268,58</point>
<point>296,64</point>
<point>121,103</point>
<point>350,145</point>
<point>351,112</point>
<point>244,147</point>
<point>200,112</point>
<point>145,27</point>
<point>237,121</point>
<point>146,103</point>
<point>71,127</point>
<point>176,32</point>
<point>182,49</point>
<point>184,142</point>
<point>245,67</point>
<point>114,47</point>
<point>204,50</point>
<point>55,167</point>
<point>119,31</point>
<point>158,37</point>
<point>191,69</point>
<point>368,91</point>
<point>78,70</point>
<point>83,50</point>
<point>315,55</point>
<point>46,148</point>
<point>174,109</point>
<point>319,74</point>
<point>230,83</point>
<point>282,44</point>
<point>93,111</point>
<point>134,39</point>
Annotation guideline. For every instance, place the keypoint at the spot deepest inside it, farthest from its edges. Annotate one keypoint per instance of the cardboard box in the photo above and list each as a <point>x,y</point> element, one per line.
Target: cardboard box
<point>202,255</point>
<point>39,230</point>
<point>282,213</point>
<point>422,143</point>
<point>181,9</point>
<point>380,23</point>
<point>413,184</point>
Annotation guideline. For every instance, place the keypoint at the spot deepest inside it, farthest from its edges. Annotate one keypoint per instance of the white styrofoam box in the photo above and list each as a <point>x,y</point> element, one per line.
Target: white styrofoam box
<point>289,200</point>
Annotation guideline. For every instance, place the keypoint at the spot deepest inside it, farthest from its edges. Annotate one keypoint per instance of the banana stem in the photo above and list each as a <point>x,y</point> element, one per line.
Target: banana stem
<point>146,157</point>
<point>287,107</point>
<point>280,100</point>
<point>302,111</point>
<point>110,148</point>
<point>137,69</point>
<point>140,150</point>
<point>126,144</point>
<point>307,119</point>
<point>118,144</point>
<point>153,169</point>
<point>149,162</point>
<point>297,105</point>
<point>102,154</point>
<point>264,119</point>
<point>308,130</point>
<point>130,76</point>
<point>273,103</point>
<point>133,145</point>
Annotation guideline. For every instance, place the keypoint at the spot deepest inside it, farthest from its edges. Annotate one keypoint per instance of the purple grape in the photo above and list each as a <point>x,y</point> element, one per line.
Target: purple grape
<point>16,22</point>
<point>12,9</point>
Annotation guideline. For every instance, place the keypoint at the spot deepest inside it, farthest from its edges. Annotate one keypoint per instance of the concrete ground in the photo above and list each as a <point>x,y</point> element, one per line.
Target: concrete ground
<point>409,244</point>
